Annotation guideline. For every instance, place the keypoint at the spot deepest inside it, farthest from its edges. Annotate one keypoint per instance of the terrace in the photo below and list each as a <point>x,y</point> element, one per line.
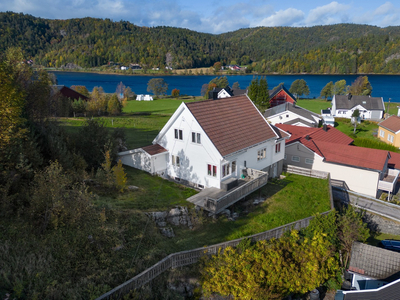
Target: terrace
<point>215,200</point>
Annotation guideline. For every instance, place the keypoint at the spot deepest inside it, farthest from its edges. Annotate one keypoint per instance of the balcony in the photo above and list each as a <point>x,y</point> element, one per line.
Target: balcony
<point>389,181</point>
<point>215,200</point>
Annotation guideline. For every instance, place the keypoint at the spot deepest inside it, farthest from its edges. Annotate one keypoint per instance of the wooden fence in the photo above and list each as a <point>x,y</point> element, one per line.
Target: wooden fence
<point>184,258</point>
<point>217,205</point>
<point>305,172</point>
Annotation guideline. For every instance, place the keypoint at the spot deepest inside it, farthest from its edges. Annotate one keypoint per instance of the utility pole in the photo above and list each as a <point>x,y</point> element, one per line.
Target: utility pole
<point>387,113</point>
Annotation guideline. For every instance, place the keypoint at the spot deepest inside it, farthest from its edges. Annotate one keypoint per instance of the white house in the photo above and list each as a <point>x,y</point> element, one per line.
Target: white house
<point>289,113</point>
<point>208,142</point>
<point>142,97</point>
<point>362,170</point>
<point>343,106</point>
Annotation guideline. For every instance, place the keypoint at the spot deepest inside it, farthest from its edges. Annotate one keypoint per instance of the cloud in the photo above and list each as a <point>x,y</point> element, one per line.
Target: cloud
<point>333,12</point>
<point>385,9</point>
<point>288,17</point>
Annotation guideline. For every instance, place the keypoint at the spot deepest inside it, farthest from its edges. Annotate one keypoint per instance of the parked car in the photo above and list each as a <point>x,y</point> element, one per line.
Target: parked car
<point>390,245</point>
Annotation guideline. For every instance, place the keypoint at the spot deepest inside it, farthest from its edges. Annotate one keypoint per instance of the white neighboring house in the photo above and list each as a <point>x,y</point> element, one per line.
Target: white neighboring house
<point>207,143</point>
<point>362,170</point>
<point>288,113</point>
<point>142,97</point>
<point>343,106</point>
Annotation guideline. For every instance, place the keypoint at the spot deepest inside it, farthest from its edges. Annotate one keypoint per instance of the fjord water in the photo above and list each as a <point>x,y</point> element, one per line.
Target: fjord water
<point>386,86</point>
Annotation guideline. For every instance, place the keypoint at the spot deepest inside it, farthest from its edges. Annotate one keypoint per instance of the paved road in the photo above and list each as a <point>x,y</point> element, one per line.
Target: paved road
<point>382,208</point>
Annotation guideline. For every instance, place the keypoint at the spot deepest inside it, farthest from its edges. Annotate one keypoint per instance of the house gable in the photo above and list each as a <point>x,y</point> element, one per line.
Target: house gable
<point>280,95</point>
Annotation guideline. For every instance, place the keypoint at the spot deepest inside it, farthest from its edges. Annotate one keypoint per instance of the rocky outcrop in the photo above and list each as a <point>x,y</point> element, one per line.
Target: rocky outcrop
<point>176,216</point>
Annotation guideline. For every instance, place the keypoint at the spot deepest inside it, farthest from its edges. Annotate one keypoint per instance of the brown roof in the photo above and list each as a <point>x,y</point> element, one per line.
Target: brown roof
<point>231,123</point>
<point>67,92</point>
<point>308,135</point>
<point>392,123</point>
<point>394,161</point>
<point>365,158</point>
<point>154,149</point>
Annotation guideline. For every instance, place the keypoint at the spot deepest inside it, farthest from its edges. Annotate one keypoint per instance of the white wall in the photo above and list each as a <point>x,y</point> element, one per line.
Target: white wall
<point>137,159</point>
<point>358,180</point>
<point>193,157</point>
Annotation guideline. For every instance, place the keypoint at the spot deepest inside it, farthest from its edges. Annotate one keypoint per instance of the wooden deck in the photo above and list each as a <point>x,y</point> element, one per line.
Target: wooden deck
<point>215,200</point>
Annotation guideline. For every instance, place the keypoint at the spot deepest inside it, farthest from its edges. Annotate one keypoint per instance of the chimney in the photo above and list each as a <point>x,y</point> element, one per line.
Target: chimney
<point>325,127</point>
<point>349,96</point>
<point>215,94</point>
<point>307,137</point>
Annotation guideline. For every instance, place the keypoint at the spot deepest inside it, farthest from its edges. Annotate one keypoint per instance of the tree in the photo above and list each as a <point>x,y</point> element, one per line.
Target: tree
<point>351,228</point>
<point>81,89</point>
<point>78,106</point>
<point>175,93</point>
<point>299,87</point>
<point>354,119</point>
<point>157,86</point>
<point>326,91</point>
<point>278,86</point>
<point>220,82</point>
<point>217,66</point>
<point>361,86</point>
<point>271,269</point>
<point>128,94</point>
<point>114,106</point>
<point>258,93</point>
<point>120,90</point>
<point>236,85</point>
<point>339,88</point>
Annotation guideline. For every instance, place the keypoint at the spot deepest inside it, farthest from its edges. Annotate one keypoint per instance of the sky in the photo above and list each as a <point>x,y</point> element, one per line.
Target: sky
<point>216,16</point>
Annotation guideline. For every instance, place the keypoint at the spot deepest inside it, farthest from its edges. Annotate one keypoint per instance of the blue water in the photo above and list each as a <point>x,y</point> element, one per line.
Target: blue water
<point>386,86</point>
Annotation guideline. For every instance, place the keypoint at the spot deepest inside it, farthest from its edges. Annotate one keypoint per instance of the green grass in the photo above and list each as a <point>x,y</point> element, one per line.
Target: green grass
<point>314,105</point>
<point>290,199</point>
<point>154,193</point>
<point>156,107</point>
<point>367,129</point>
<point>374,240</point>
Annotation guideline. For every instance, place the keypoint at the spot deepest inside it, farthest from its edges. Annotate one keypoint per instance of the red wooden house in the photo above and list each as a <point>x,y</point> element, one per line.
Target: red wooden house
<point>281,95</point>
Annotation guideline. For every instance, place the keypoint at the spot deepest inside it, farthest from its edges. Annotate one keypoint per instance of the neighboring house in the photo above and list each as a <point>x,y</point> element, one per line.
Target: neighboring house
<point>214,144</point>
<point>389,131</point>
<point>373,274</point>
<point>343,106</point>
<point>289,113</point>
<point>142,97</point>
<point>64,91</point>
<point>362,170</point>
<point>218,93</point>
<point>60,100</point>
<point>281,95</point>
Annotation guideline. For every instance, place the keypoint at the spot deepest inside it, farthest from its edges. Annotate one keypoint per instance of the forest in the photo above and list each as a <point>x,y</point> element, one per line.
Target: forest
<point>90,42</point>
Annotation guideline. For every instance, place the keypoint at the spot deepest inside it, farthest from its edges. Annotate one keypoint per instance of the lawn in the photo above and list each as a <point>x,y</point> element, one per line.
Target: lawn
<point>157,107</point>
<point>314,105</point>
<point>287,200</point>
<point>374,240</point>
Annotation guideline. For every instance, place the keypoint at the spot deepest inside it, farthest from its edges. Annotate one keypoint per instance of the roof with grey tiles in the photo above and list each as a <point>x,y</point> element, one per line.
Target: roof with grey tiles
<point>373,261</point>
<point>350,101</point>
<point>292,108</point>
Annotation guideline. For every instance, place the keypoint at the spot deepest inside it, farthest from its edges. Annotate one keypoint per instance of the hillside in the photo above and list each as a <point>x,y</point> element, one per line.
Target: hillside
<point>89,42</point>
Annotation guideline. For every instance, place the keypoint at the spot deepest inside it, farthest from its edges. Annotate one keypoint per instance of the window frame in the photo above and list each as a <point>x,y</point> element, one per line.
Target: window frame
<point>297,157</point>
<point>261,154</point>
<point>381,133</point>
<point>178,134</point>
<point>277,147</point>
<point>176,162</point>
<point>196,137</point>
<point>309,161</point>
